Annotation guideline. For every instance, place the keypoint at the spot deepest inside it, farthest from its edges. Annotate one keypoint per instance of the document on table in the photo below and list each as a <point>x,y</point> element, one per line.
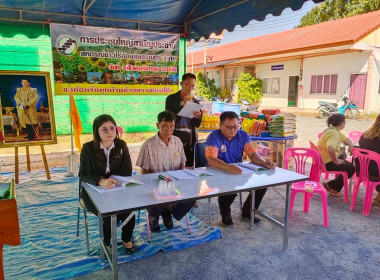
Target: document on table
<point>188,109</point>
<point>101,189</point>
<point>247,168</point>
<point>180,174</point>
<point>251,165</point>
<point>186,174</point>
<point>198,172</point>
<point>126,181</point>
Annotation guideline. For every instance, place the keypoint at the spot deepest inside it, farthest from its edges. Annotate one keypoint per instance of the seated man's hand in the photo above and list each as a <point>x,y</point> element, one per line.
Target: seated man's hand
<point>197,114</point>
<point>190,167</point>
<point>269,164</point>
<point>233,169</point>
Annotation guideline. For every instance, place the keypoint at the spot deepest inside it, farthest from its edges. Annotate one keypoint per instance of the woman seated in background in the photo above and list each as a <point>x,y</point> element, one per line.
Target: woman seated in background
<point>100,158</point>
<point>329,147</point>
<point>370,140</point>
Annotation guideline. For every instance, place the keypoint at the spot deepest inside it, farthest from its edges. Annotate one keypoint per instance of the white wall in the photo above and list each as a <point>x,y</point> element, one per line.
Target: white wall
<point>343,65</point>
<point>375,98</point>
<point>291,68</point>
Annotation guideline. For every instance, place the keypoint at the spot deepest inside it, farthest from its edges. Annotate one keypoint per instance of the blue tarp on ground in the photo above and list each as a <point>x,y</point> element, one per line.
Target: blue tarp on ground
<point>49,246</point>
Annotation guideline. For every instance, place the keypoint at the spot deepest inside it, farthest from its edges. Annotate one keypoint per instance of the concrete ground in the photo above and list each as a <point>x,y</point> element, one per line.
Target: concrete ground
<point>347,249</point>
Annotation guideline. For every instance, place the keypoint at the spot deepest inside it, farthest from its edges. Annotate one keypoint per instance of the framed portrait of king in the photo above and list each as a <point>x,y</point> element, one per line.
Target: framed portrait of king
<point>27,114</point>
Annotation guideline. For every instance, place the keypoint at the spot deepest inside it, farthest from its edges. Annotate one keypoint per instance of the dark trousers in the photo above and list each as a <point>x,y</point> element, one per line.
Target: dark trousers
<point>30,131</point>
<point>337,184</point>
<point>126,231</point>
<point>178,210</point>
<point>225,202</point>
<point>188,145</point>
<point>189,153</point>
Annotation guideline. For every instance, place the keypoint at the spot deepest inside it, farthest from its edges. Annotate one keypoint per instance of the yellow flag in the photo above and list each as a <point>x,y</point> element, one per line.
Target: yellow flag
<point>76,122</point>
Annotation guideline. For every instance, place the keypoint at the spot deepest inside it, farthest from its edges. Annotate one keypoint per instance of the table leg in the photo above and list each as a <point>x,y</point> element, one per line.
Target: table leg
<point>251,210</point>
<point>101,239</point>
<point>283,153</point>
<point>286,218</point>
<point>16,165</point>
<point>27,158</point>
<point>114,246</point>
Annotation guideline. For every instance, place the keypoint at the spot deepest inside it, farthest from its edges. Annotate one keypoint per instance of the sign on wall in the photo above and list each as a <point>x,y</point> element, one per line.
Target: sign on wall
<point>93,60</point>
<point>277,67</point>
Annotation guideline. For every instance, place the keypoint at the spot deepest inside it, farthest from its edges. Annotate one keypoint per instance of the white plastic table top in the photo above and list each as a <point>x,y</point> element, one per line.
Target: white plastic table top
<point>141,196</point>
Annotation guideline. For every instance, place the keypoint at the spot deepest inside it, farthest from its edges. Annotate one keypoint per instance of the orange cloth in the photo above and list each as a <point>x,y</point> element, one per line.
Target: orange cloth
<point>249,148</point>
<point>76,122</point>
<point>211,151</point>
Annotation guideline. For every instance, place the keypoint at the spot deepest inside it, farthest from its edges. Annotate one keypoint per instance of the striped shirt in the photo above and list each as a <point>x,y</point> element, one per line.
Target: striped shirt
<point>155,156</point>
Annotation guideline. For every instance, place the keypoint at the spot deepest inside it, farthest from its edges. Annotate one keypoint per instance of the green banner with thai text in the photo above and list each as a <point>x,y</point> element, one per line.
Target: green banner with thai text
<point>106,61</point>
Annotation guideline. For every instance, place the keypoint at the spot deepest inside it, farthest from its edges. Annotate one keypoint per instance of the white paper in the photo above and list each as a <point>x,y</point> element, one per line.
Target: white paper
<point>244,170</point>
<point>251,165</point>
<point>188,109</point>
<point>198,172</point>
<point>126,180</point>
<point>101,189</point>
<point>180,175</point>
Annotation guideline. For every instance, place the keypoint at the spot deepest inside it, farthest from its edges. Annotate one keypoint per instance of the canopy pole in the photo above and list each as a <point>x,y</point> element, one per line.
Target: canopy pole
<point>71,157</point>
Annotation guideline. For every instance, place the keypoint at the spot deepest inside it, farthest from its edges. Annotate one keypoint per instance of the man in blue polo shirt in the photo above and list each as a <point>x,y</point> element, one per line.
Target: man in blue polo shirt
<point>226,146</point>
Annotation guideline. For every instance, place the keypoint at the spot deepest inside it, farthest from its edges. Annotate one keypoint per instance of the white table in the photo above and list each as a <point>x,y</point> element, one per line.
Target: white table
<point>141,197</point>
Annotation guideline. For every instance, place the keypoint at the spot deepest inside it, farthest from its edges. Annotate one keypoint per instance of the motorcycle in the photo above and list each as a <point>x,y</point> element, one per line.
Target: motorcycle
<point>348,109</point>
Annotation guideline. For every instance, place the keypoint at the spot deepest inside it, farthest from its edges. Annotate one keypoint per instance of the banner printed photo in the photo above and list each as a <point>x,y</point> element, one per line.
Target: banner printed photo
<point>94,60</point>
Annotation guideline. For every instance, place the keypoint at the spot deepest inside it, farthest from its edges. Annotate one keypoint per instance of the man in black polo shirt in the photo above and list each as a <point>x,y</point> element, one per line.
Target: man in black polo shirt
<point>185,127</point>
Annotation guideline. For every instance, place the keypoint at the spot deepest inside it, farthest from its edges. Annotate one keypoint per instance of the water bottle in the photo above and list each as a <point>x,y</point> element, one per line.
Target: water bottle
<point>162,187</point>
<point>171,188</point>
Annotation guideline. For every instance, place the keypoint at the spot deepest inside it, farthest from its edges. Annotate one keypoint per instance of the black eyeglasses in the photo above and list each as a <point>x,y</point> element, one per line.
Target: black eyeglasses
<point>235,127</point>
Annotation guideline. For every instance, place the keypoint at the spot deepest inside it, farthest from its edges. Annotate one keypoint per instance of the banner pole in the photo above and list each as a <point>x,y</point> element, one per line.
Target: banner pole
<point>70,157</point>
<point>71,121</point>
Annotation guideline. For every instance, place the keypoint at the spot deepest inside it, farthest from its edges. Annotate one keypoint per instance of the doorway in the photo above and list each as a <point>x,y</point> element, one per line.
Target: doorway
<point>358,84</point>
<point>293,91</point>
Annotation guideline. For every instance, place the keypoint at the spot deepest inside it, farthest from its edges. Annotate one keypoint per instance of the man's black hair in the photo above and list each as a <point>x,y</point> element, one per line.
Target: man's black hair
<point>188,75</point>
<point>228,115</point>
<point>167,116</point>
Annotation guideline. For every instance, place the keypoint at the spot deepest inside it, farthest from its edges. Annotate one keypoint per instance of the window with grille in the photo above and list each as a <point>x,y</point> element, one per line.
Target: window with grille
<point>323,84</point>
<point>271,85</point>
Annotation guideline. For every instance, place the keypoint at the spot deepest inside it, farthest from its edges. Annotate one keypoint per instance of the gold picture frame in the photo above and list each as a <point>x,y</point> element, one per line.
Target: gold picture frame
<point>27,113</point>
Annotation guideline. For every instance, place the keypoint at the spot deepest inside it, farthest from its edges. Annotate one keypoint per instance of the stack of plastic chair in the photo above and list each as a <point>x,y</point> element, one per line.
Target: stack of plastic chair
<point>363,158</point>
<point>355,136</point>
<point>308,188</point>
<point>120,130</point>
<point>335,173</point>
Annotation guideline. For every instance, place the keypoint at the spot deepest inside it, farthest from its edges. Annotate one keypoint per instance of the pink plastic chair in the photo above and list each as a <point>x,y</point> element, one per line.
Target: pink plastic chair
<point>335,173</point>
<point>120,130</point>
<point>355,136</point>
<point>320,135</point>
<point>300,156</point>
<point>364,157</point>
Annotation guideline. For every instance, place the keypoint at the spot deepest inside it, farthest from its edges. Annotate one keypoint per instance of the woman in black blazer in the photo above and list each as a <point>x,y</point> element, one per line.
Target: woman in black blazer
<point>100,158</point>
